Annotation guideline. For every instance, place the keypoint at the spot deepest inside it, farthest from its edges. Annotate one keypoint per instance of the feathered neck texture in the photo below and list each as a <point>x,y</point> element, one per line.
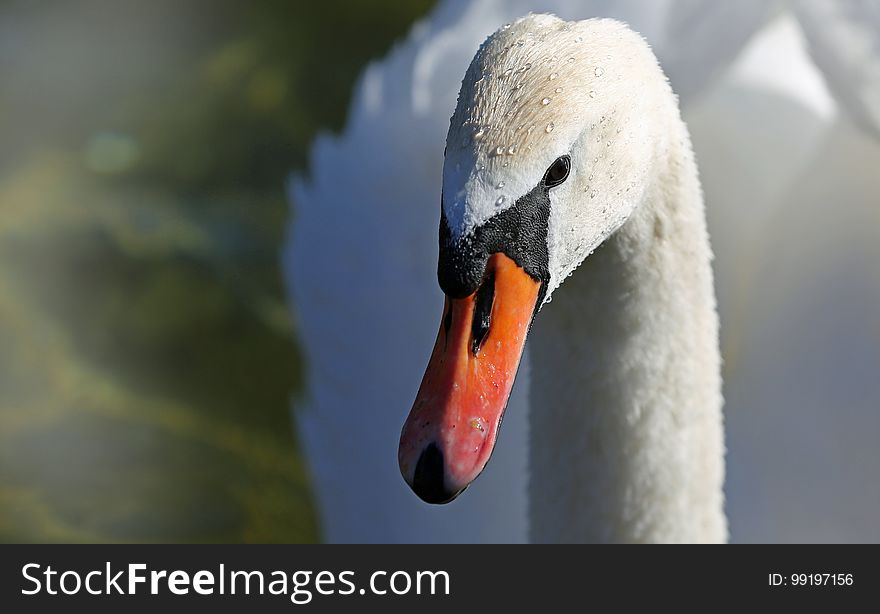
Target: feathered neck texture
<point>626,425</point>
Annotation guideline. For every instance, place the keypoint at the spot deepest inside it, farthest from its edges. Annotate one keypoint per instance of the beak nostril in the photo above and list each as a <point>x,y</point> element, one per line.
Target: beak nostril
<point>429,482</point>
<point>447,319</point>
<point>482,312</point>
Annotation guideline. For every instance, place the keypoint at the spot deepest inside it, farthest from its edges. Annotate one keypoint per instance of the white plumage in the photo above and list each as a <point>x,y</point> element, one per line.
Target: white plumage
<point>384,175</point>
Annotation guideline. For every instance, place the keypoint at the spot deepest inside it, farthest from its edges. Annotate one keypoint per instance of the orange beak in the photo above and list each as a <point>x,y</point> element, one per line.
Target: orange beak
<point>451,430</point>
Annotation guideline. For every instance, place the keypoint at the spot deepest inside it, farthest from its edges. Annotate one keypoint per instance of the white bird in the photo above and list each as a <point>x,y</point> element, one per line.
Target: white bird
<point>344,273</point>
<point>381,179</point>
<point>567,139</point>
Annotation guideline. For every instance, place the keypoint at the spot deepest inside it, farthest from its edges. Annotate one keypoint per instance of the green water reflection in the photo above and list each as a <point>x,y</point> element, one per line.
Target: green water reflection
<point>147,361</point>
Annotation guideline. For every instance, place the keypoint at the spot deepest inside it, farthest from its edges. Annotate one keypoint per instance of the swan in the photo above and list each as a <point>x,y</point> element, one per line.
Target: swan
<point>754,140</point>
<point>567,157</point>
<point>360,378</point>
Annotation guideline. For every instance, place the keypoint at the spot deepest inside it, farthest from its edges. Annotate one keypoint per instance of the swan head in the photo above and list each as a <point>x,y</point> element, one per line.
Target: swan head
<point>549,151</point>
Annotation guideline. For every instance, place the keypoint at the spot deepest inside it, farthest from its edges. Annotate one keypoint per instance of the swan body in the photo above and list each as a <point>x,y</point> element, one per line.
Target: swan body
<point>361,378</point>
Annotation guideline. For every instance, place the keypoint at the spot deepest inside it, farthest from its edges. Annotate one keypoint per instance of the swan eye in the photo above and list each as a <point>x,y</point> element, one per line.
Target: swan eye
<point>558,172</point>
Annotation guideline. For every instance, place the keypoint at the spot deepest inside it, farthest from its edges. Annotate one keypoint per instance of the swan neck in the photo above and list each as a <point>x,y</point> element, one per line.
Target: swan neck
<point>626,426</point>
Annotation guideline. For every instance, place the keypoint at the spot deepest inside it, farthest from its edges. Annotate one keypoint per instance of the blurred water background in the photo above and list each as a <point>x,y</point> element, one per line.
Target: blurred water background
<point>147,359</point>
